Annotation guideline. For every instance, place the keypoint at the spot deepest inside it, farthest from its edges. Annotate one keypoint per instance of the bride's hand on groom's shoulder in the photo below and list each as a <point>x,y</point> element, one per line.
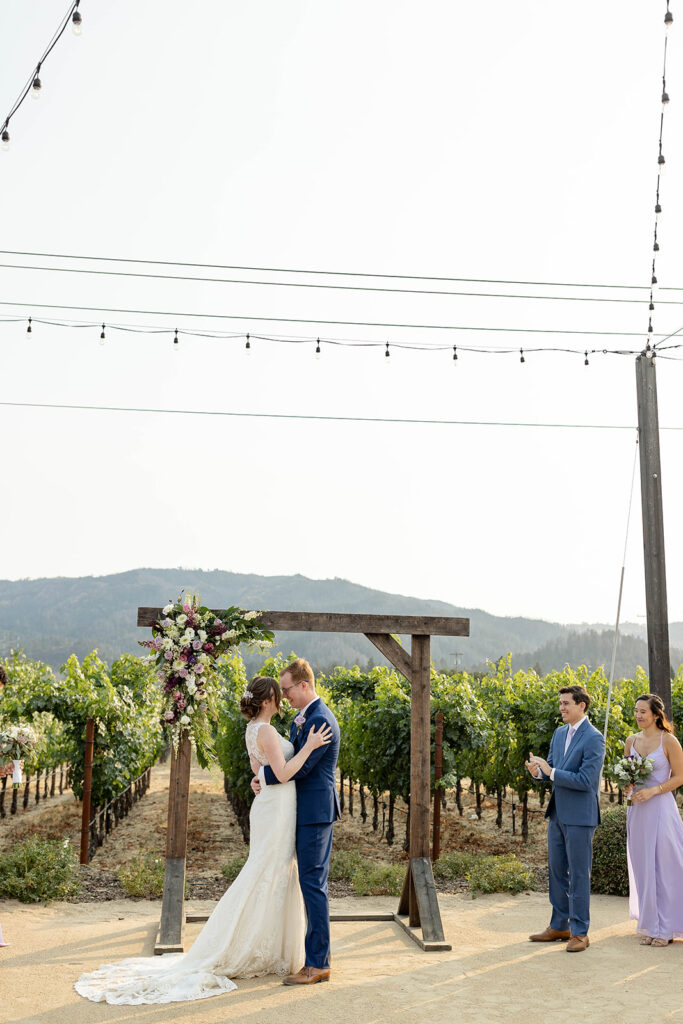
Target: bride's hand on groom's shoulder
<point>319,739</point>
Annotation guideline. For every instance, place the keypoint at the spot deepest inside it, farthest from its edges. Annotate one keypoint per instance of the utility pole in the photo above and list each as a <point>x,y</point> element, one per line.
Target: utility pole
<point>659,661</point>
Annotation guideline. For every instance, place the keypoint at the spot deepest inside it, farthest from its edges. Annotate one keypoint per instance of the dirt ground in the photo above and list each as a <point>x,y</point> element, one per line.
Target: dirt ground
<point>493,973</point>
<point>214,836</point>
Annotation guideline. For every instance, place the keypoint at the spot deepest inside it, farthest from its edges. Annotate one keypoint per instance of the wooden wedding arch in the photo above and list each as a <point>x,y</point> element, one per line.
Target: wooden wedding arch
<point>418,906</point>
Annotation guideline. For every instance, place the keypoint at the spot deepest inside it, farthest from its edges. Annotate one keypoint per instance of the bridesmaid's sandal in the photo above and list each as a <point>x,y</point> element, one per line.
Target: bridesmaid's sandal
<point>646,941</point>
<point>661,942</point>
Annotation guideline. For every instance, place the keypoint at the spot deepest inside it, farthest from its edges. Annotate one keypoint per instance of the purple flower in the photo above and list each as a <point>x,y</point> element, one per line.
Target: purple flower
<point>169,716</point>
<point>166,623</point>
<point>197,645</point>
<point>199,668</point>
<point>168,655</point>
<point>209,648</point>
<point>183,673</point>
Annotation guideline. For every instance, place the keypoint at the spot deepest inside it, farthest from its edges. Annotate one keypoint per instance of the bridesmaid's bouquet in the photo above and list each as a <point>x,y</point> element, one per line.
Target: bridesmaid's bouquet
<point>632,770</point>
<point>187,640</point>
<point>17,743</point>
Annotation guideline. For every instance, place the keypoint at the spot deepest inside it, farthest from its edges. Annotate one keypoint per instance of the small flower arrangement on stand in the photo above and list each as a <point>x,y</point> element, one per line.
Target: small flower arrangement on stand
<point>186,643</point>
<point>631,770</point>
<point>17,743</point>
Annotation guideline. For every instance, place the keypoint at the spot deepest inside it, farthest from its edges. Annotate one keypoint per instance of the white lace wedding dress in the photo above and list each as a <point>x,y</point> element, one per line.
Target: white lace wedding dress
<point>257,928</point>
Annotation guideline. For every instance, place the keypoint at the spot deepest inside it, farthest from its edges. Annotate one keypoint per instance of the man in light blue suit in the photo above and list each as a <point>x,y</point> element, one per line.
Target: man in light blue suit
<point>574,765</point>
<point>317,808</point>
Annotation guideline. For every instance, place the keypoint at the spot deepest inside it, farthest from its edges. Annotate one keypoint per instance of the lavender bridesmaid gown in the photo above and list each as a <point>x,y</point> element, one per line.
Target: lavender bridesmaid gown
<point>655,858</point>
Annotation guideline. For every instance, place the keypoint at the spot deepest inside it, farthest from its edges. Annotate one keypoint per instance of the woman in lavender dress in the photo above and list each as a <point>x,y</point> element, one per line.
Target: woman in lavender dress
<point>655,829</point>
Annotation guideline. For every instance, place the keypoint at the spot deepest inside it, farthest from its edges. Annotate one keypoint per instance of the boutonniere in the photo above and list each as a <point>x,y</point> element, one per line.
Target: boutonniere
<point>299,722</point>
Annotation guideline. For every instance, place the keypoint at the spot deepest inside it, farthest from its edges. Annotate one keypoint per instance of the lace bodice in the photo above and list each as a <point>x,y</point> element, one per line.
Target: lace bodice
<point>250,737</point>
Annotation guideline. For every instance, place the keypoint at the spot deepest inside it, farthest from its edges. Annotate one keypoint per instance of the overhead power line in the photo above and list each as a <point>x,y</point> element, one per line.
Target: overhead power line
<point>332,287</point>
<point>329,273</point>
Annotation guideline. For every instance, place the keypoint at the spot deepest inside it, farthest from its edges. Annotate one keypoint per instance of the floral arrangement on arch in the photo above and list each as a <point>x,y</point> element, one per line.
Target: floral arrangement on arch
<point>17,743</point>
<point>186,643</point>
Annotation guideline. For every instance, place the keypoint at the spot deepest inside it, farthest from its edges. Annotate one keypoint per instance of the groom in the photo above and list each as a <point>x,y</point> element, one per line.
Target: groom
<point>317,810</point>
<point>574,763</point>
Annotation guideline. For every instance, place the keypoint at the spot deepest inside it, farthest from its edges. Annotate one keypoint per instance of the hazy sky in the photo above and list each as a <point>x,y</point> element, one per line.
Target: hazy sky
<point>493,141</point>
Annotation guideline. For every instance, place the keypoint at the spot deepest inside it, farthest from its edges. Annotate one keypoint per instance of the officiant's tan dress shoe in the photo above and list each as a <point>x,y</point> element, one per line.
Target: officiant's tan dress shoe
<point>578,943</point>
<point>550,935</point>
<point>308,976</point>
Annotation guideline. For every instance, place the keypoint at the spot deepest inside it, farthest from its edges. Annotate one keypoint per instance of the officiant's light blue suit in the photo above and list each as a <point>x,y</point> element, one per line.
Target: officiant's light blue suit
<point>317,808</point>
<point>573,814</point>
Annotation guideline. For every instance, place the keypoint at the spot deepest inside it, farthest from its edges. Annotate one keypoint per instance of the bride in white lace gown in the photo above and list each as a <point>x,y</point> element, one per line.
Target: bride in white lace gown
<point>258,927</point>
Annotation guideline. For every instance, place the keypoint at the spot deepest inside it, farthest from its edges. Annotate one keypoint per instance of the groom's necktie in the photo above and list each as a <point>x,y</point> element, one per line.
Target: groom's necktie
<point>570,737</point>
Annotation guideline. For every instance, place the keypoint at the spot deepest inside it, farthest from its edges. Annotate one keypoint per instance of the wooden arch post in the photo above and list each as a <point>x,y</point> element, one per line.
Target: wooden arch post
<point>418,907</point>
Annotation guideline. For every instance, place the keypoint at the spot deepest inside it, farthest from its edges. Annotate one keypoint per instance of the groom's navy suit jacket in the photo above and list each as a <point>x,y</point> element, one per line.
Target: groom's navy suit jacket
<point>316,789</point>
<point>575,798</point>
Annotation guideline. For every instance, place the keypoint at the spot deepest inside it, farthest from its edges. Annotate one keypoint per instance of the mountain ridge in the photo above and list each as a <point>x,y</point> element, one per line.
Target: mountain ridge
<point>51,617</point>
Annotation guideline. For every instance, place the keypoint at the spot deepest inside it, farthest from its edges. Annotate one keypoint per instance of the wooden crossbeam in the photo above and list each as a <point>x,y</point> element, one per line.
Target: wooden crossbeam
<point>341,622</point>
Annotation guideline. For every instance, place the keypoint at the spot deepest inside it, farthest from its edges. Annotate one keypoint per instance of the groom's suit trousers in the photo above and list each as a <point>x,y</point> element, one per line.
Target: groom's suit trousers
<point>313,849</point>
<point>570,855</point>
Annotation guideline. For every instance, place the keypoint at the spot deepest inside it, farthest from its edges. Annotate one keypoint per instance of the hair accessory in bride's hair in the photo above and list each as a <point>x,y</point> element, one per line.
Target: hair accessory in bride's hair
<point>248,695</point>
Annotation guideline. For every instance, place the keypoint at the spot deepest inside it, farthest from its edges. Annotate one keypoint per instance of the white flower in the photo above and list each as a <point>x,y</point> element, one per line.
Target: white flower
<point>250,615</point>
<point>167,643</point>
<point>168,609</point>
<point>190,709</point>
<point>202,634</point>
<point>181,620</point>
<point>229,634</point>
<point>185,720</point>
<point>178,664</point>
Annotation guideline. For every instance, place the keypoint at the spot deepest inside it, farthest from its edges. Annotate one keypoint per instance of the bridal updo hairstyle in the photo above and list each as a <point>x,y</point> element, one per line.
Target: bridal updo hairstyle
<point>656,706</point>
<point>260,689</point>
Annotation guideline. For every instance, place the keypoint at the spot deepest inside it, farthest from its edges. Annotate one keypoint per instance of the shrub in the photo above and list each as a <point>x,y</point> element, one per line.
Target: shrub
<point>499,874</point>
<point>344,864</point>
<point>370,879</point>
<point>144,876</point>
<point>453,865</point>
<point>231,869</point>
<point>610,867</point>
<point>39,869</point>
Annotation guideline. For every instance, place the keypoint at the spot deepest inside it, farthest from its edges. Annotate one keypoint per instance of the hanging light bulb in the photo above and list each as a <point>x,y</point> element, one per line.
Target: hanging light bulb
<point>652,305</point>
<point>655,247</point>
<point>317,349</point>
<point>660,162</point>
<point>658,209</point>
<point>665,99</point>
<point>36,88</point>
<point>77,23</point>
<point>176,341</point>
<point>248,344</point>
<point>668,21</point>
<point>387,353</point>
<point>455,354</point>
<point>521,356</point>
<point>654,279</point>
<point>102,336</point>
<point>5,139</point>
<point>649,326</point>
<point>29,329</point>
<point>585,362</point>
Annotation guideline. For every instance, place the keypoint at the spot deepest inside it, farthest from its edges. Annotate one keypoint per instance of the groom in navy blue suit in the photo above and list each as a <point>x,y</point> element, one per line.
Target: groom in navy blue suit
<point>317,810</point>
<point>574,764</point>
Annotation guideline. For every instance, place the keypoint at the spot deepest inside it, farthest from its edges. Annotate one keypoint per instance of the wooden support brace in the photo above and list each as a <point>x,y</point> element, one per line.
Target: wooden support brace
<point>171,927</point>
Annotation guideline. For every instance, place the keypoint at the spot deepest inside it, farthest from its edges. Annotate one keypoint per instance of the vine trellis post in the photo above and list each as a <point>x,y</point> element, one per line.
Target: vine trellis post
<point>418,906</point>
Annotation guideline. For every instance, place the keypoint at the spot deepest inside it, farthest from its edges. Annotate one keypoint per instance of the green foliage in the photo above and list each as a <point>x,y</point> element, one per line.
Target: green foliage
<point>39,869</point>
<point>610,866</point>
<point>499,874</point>
<point>371,879</point>
<point>231,869</point>
<point>143,876</point>
<point>124,701</point>
<point>344,864</point>
<point>453,866</point>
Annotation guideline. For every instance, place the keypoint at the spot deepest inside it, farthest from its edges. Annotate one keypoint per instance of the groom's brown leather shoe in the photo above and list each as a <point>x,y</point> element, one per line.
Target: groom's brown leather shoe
<point>308,976</point>
<point>578,943</point>
<point>550,935</point>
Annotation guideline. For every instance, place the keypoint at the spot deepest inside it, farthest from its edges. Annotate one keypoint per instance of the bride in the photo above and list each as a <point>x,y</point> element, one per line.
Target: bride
<point>258,927</point>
